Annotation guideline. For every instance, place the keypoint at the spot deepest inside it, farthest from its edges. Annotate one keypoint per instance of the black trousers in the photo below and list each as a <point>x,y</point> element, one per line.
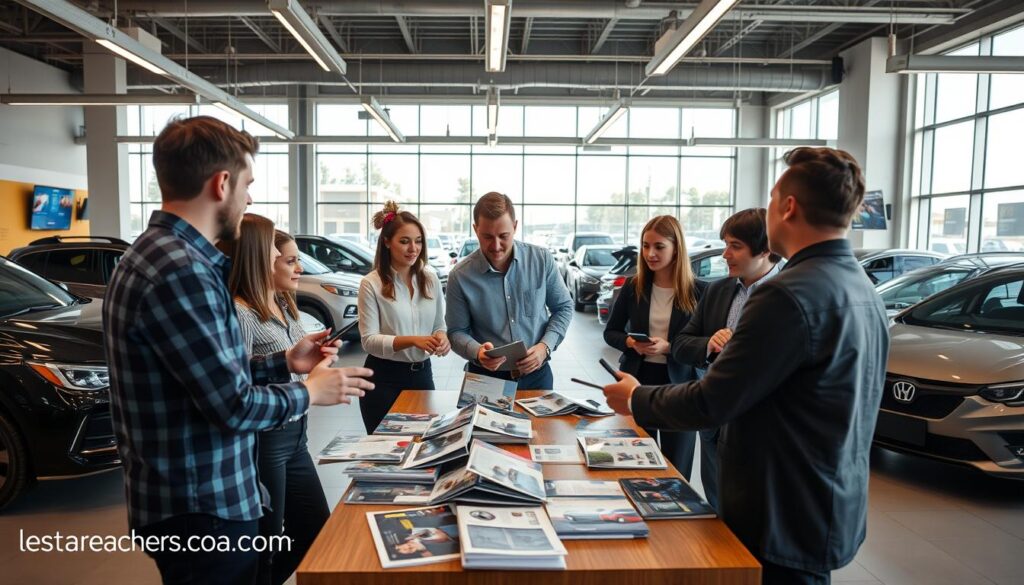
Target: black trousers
<point>298,508</point>
<point>772,574</point>
<point>389,379</point>
<point>201,568</point>
<point>677,446</point>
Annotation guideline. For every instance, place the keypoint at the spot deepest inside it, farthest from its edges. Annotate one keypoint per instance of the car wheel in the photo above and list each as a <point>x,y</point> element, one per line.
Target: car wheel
<point>318,315</point>
<point>580,307</point>
<point>14,476</point>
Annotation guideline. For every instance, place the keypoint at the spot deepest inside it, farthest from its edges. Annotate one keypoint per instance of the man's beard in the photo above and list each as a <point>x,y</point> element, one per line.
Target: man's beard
<point>228,226</point>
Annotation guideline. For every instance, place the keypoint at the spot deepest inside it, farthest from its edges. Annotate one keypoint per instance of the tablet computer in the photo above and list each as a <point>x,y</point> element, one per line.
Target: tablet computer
<point>513,352</point>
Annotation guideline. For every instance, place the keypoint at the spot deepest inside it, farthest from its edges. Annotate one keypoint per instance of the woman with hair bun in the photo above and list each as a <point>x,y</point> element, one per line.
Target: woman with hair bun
<point>401,314</point>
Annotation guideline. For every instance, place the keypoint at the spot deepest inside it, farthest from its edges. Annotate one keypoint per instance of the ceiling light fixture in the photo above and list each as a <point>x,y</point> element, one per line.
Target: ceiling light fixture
<point>610,117</point>
<point>685,38</point>
<point>498,19</point>
<point>492,110</point>
<point>294,18</point>
<point>372,106</point>
<point>912,64</point>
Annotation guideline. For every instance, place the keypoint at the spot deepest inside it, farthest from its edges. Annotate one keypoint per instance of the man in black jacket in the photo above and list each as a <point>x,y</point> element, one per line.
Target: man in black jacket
<point>704,336</point>
<point>797,386</point>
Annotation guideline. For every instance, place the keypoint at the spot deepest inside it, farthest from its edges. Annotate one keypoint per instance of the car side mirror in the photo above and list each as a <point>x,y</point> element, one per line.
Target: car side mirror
<point>563,250</point>
<point>453,255</point>
<point>574,264</point>
<point>346,263</point>
<point>62,285</point>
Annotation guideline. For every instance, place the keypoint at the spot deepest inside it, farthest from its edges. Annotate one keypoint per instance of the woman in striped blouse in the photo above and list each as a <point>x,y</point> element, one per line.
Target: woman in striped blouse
<point>264,276</point>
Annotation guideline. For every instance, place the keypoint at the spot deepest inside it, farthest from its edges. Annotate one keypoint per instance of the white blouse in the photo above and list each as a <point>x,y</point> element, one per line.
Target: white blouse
<point>660,318</point>
<point>382,319</point>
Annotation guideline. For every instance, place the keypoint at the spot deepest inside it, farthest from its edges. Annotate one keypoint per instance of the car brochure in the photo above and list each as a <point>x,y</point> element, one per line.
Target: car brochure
<point>496,426</point>
<point>557,404</point>
<point>509,538</point>
<point>370,472</point>
<point>491,476</point>
<point>403,423</point>
<point>599,428</point>
<point>582,488</point>
<point>622,453</point>
<point>348,447</point>
<point>588,518</point>
<point>416,536</point>
<point>440,449</point>
<point>563,454</point>
<point>493,392</point>
<point>666,497</point>
<point>408,494</point>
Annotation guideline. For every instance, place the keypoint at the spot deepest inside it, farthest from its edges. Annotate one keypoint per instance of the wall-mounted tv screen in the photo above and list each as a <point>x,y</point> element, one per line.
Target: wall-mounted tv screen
<point>871,215</point>
<point>954,221</point>
<point>1010,219</point>
<point>51,208</point>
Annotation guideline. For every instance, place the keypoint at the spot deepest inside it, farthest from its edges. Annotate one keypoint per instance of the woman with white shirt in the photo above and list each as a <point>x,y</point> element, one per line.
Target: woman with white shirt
<point>658,302</point>
<point>401,314</point>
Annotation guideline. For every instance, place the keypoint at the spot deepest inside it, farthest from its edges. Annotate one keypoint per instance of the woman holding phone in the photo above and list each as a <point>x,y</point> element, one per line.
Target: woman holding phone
<point>401,314</point>
<point>655,305</point>
<point>264,277</point>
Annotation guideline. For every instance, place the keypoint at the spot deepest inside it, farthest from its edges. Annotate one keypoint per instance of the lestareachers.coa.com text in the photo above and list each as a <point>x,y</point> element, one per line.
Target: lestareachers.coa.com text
<point>58,542</point>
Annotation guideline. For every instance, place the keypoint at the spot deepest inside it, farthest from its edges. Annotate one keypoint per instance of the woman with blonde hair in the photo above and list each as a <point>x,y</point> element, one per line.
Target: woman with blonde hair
<point>401,314</point>
<point>658,303</point>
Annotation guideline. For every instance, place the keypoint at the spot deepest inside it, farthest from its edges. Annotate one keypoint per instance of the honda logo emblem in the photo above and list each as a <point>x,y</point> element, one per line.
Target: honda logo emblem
<point>903,392</point>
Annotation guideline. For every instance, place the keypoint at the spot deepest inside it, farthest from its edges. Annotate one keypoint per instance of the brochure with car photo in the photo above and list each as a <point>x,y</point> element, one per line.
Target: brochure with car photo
<point>506,469</point>
<point>666,497</point>
<point>622,453</point>
<point>440,449</point>
<point>370,472</point>
<point>589,518</point>
<point>496,426</point>
<point>600,428</point>
<point>556,454</point>
<point>493,392</point>
<point>509,538</point>
<point>403,423</point>
<point>348,447</point>
<point>409,494</point>
<point>582,488</point>
<point>416,536</point>
<point>557,404</point>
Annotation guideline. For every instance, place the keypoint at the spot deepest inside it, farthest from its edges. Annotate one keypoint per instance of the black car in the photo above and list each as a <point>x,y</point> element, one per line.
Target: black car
<point>54,397</point>
<point>83,263</point>
<point>883,265</point>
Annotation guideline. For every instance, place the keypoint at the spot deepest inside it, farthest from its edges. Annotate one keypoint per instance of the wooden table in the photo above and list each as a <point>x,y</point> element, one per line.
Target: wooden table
<point>677,551</point>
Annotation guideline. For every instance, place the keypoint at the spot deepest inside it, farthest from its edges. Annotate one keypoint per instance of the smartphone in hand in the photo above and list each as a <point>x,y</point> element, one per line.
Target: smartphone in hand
<point>639,337</point>
<point>608,368</point>
<point>339,333</point>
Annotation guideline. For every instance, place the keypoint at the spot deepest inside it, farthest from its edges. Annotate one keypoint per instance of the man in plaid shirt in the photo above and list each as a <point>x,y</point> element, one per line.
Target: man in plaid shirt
<point>186,400</point>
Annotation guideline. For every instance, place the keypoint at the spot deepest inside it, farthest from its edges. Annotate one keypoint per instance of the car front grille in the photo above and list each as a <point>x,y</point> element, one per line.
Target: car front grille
<point>96,435</point>
<point>953,448</point>
<point>935,400</point>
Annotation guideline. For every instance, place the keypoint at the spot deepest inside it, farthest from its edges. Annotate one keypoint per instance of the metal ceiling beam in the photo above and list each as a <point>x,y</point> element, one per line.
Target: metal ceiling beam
<point>735,39</point>
<point>263,36</point>
<point>603,37</point>
<point>464,57</point>
<point>325,21</point>
<point>527,30</point>
<point>819,34</point>
<point>179,34</point>
<point>406,34</point>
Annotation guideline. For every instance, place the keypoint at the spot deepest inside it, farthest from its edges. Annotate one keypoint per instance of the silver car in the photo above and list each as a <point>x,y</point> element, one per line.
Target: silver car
<point>331,297</point>
<point>954,388</point>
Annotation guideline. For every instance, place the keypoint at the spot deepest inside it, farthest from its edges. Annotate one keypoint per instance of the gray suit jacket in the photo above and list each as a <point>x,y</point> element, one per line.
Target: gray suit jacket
<point>799,385</point>
<point>690,346</point>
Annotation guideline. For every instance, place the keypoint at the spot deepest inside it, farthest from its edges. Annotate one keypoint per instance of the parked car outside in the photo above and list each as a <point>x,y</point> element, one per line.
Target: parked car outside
<point>352,238</point>
<point>917,285</point>
<point>54,387</point>
<point>572,242</point>
<point>83,263</point>
<point>882,265</point>
<point>332,298</point>
<point>439,259</point>
<point>468,247</point>
<point>337,255</point>
<point>585,271</point>
<point>954,388</point>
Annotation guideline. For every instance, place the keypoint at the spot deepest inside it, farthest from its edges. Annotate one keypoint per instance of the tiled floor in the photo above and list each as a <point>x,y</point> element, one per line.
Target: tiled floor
<point>928,523</point>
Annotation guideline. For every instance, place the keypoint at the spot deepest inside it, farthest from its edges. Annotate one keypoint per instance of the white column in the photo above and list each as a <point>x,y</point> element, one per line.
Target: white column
<point>751,190</point>
<point>106,159</point>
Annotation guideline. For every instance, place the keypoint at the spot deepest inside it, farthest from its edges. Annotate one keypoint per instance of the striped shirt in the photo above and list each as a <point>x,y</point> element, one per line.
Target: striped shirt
<point>183,400</point>
<point>268,337</point>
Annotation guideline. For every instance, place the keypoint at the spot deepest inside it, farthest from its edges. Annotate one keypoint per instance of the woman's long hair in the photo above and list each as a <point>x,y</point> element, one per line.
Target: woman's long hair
<point>388,220</point>
<point>252,270</point>
<point>286,297</point>
<point>668,227</point>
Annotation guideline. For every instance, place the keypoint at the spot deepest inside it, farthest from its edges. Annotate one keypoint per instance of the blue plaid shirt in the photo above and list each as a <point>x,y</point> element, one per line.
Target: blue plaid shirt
<point>184,405</point>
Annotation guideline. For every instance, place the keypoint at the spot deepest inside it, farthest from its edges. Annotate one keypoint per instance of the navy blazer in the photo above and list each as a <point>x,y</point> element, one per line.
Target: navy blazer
<point>637,313</point>
<point>690,346</point>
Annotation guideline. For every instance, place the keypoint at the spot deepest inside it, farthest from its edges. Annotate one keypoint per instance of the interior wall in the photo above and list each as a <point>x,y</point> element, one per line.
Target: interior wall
<point>751,162</point>
<point>16,201</point>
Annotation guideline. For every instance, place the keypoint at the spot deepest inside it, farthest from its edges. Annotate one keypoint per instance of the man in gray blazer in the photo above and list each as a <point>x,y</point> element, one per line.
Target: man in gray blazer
<point>797,387</point>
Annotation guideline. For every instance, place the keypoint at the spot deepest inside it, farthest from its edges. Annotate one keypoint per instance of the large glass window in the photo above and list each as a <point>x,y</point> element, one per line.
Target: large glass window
<point>815,118</point>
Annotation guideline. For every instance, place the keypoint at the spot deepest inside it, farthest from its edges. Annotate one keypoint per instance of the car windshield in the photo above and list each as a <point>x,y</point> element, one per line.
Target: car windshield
<point>992,306</point>
<point>599,258</point>
<point>910,289</point>
<point>592,241</point>
<point>23,292</point>
<point>469,246</point>
<point>311,265</point>
<point>433,244</point>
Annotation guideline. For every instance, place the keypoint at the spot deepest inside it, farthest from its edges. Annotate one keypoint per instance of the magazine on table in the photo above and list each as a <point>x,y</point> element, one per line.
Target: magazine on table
<point>440,449</point>
<point>370,472</point>
<point>666,497</point>
<point>488,424</point>
<point>557,404</point>
<point>493,392</point>
<point>465,486</point>
<point>507,470</point>
<point>590,428</point>
<point>404,423</point>
<point>508,538</point>
<point>582,488</point>
<point>347,447</point>
<point>589,518</point>
<point>409,494</point>
<point>556,454</point>
<point>416,536</point>
<point>622,453</point>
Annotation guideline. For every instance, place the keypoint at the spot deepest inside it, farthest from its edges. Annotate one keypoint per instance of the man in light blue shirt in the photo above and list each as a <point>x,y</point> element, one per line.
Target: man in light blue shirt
<point>504,292</point>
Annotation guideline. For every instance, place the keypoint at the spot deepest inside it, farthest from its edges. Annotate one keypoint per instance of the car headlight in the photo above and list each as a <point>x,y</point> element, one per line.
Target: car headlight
<point>343,291</point>
<point>589,279</point>
<point>1011,394</point>
<point>74,376</point>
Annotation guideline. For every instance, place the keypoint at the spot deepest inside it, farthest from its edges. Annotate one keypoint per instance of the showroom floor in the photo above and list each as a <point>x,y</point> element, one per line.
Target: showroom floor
<point>928,523</point>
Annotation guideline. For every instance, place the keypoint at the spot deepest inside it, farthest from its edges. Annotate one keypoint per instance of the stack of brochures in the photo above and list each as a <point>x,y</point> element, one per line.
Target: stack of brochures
<point>406,494</point>
<point>439,449</point>
<point>416,536</point>
<point>622,453</point>
<point>582,488</point>
<point>369,472</point>
<point>666,497</point>
<point>488,424</point>
<point>492,476</point>
<point>493,392</point>
<point>402,423</point>
<point>347,447</point>
<point>556,404</point>
<point>508,538</point>
<point>591,509</point>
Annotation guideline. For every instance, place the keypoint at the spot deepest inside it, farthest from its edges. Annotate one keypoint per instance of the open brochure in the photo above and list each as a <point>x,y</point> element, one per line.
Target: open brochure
<point>488,424</point>
<point>622,453</point>
<point>556,454</point>
<point>582,488</point>
<point>408,494</point>
<point>347,447</point>
<point>416,536</point>
<point>602,428</point>
<point>666,497</point>
<point>493,392</point>
<point>508,538</point>
<point>492,476</point>
<point>440,449</point>
<point>370,472</point>
<point>589,518</point>
<point>402,423</point>
<point>557,404</point>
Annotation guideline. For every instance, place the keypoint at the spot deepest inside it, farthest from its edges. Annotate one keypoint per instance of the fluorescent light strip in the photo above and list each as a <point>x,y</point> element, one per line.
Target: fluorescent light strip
<point>130,56</point>
<point>699,30</point>
<point>373,108</point>
<point>492,111</point>
<point>607,121</point>
<point>227,108</point>
<point>302,41</point>
<point>496,48</point>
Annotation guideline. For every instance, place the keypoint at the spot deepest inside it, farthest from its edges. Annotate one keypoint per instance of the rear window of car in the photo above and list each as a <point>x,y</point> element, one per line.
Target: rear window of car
<point>994,306</point>
<point>73,265</point>
<point>599,258</point>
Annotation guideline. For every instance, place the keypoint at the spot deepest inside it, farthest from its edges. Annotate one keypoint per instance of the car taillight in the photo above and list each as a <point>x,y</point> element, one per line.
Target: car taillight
<point>619,281</point>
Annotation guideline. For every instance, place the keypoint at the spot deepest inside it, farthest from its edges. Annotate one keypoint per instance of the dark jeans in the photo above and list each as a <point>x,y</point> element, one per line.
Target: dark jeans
<point>389,379</point>
<point>199,568</point>
<point>542,379</point>
<point>772,574</point>
<point>677,446</point>
<point>298,508</point>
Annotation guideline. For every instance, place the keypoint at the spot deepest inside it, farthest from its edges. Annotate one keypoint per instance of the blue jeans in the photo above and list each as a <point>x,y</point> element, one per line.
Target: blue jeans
<point>542,379</point>
<point>200,568</point>
<point>298,508</point>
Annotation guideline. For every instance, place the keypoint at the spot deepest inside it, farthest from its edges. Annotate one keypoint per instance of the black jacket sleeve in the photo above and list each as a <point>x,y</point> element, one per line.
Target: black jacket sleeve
<point>615,330</point>
<point>690,345</point>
